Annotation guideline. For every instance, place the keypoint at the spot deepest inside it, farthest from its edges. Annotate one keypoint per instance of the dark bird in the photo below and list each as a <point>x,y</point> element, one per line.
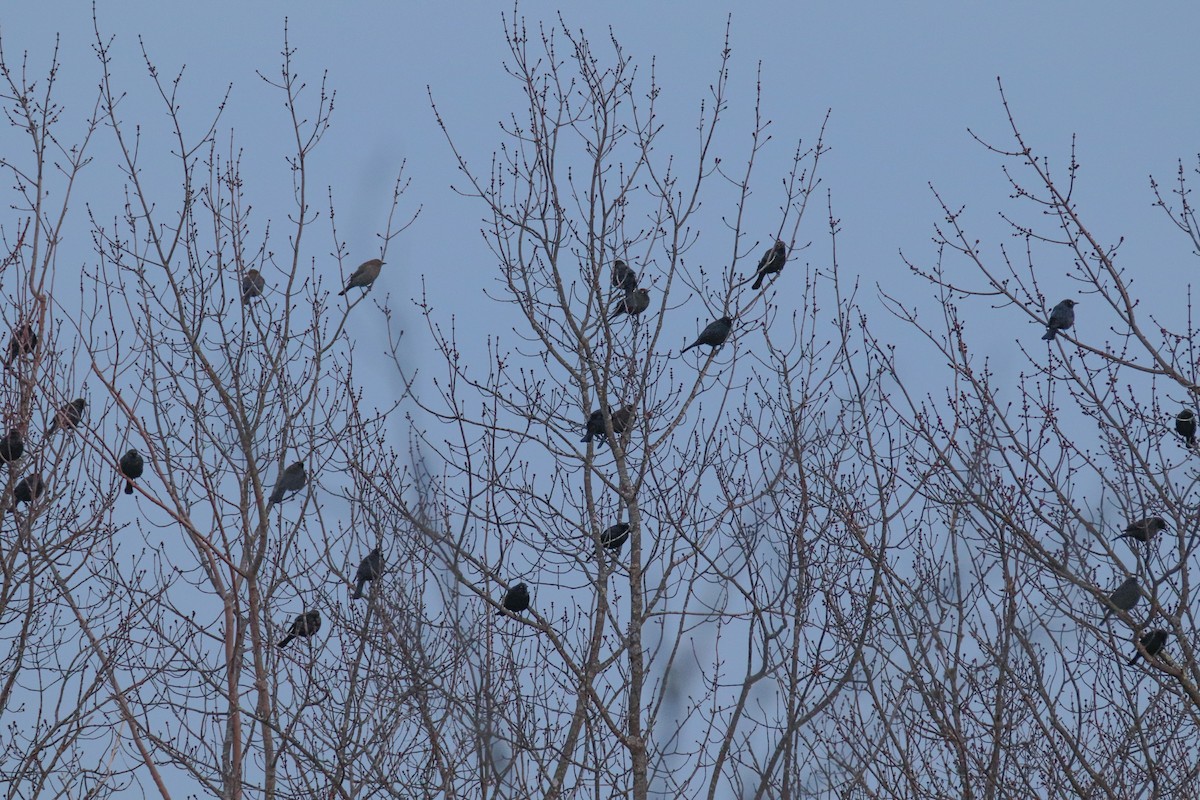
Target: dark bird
<point>291,481</point>
<point>1123,598</point>
<point>1153,643</point>
<point>364,276</point>
<point>253,284</point>
<point>623,276</point>
<point>714,334</point>
<point>1185,426</point>
<point>1062,317</point>
<point>771,262</point>
<point>614,538</point>
<point>30,487</point>
<point>306,624</point>
<point>595,424</point>
<point>633,303</point>
<point>369,569</point>
<point>67,417</point>
<point>23,342</point>
<point>1144,529</point>
<point>516,599</point>
<point>12,446</point>
<point>132,466</point>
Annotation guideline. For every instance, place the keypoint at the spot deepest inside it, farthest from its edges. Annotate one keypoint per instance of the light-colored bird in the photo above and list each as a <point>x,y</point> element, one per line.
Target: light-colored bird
<point>364,276</point>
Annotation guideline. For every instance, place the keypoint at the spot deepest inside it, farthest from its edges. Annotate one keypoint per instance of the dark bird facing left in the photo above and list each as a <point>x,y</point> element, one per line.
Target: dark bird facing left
<point>68,416</point>
<point>305,625</point>
<point>633,303</point>
<point>1123,598</point>
<point>132,467</point>
<point>291,480</point>
<point>23,342</point>
<point>369,569</point>
<point>1153,643</point>
<point>1062,318</point>
<point>12,446</point>
<point>30,488</point>
<point>253,284</point>
<point>516,599</point>
<point>364,276</point>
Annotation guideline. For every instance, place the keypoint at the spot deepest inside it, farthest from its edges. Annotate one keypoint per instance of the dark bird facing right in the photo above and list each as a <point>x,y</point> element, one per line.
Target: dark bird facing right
<point>614,537</point>
<point>291,480</point>
<point>305,624</point>
<point>253,284</point>
<point>23,342</point>
<point>132,466</point>
<point>30,487</point>
<point>364,276</point>
<point>12,446</point>
<point>772,262</point>
<point>1062,317</point>
<point>595,424</point>
<point>1123,598</point>
<point>1144,529</point>
<point>1185,426</point>
<point>67,417</point>
<point>714,334</point>
<point>633,303</point>
<point>516,599</point>
<point>623,276</point>
<point>369,569</point>
<point>1153,643</point>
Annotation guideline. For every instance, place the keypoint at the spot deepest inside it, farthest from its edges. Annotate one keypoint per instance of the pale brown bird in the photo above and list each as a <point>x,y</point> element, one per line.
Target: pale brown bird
<point>364,276</point>
<point>253,284</point>
<point>68,416</point>
<point>772,262</point>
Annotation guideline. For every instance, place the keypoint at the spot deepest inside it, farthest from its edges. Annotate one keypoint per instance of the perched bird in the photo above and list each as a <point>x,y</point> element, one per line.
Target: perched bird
<point>306,624</point>
<point>516,599</point>
<point>623,276</point>
<point>1123,598</point>
<point>1144,529</point>
<point>12,446</point>
<point>132,466</point>
<point>1185,426</point>
<point>369,569</point>
<point>1153,643</point>
<point>291,481</point>
<point>714,334</point>
<point>633,303</point>
<point>253,284</point>
<point>29,488</point>
<point>23,342</point>
<point>364,276</point>
<point>772,262</point>
<point>595,424</point>
<point>614,538</point>
<point>68,416</point>
<point>1062,317</point>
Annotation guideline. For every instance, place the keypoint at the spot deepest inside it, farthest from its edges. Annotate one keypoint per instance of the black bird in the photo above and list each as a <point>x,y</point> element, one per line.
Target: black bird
<point>23,342</point>
<point>253,284</point>
<point>132,466</point>
<point>772,262</point>
<point>714,334</point>
<point>306,624</point>
<point>1185,426</point>
<point>595,424</point>
<point>67,417</point>
<point>614,538</point>
<point>30,487</point>
<point>291,481</point>
<point>1144,529</point>
<point>633,303</point>
<point>516,599</point>
<point>1123,598</point>
<point>369,569</point>
<point>1153,643</point>
<point>1062,317</point>
<point>364,276</point>
<point>623,276</point>
<point>12,446</point>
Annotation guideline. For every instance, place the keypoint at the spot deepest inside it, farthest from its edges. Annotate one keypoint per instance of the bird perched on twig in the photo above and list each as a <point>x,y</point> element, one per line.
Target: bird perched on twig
<point>364,276</point>
<point>1062,317</point>
<point>1153,643</point>
<point>1123,598</point>
<point>29,488</point>
<point>1144,529</point>
<point>1185,426</point>
<point>714,335</point>
<point>12,446</point>
<point>132,466</point>
<point>253,284</point>
<point>623,276</point>
<point>633,303</point>
<point>516,599</point>
<point>291,480</point>
<point>771,262</point>
<point>614,537</point>
<point>369,569</point>
<point>68,416</point>
<point>595,424</point>
<point>305,625</point>
<point>23,342</point>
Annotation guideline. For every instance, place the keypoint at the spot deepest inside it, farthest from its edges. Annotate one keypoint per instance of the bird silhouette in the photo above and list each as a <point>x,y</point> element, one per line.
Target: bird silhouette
<point>771,262</point>
<point>23,342</point>
<point>68,416</point>
<point>1185,426</point>
<point>1062,317</point>
<point>615,536</point>
<point>291,480</point>
<point>633,303</point>
<point>369,569</point>
<point>253,284</point>
<point>364,276</point>
<point>516,599</point>
<point>1144,529</point>
<point>1123,598</point>
<point>29,488</point>
<point>12,446</point>
<point>305,624</point>
<point>131,467</point>
<point>595,424</point>
<point>623,276</point>
<point>714,334</point>
<point>1153,643</point>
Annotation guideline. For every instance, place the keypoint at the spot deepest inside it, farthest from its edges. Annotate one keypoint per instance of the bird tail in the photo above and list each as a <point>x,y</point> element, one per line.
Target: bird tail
<point>287,640</point>
<point>587,438</point>
<point>128,487</point>
<point>758,281</point>
<point>689,347</point>
<point>1049,334</point>
<point>343,291</point>
<point>358,591</point>
<point>1133,660</point>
